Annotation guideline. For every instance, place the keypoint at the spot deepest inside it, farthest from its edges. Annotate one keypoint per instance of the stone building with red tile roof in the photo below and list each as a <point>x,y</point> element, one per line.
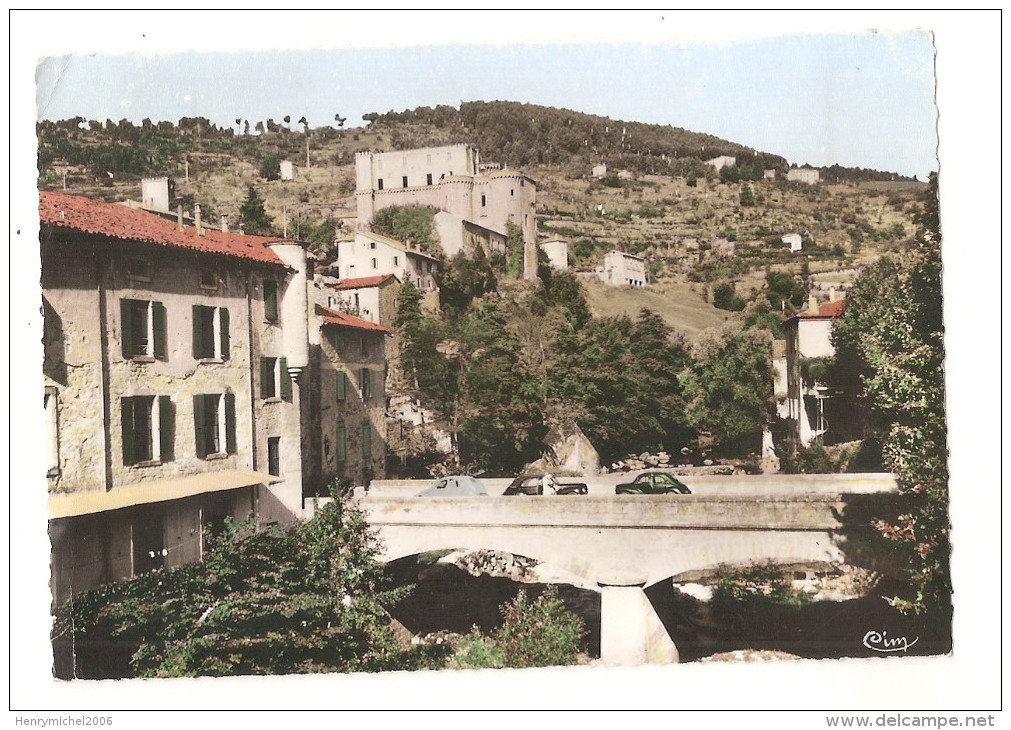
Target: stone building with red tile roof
<point>174,361</point>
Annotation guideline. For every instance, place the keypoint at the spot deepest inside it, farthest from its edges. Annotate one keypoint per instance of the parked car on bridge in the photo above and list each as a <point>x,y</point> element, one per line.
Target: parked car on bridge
<point>531,484</point>
<point>653,482</point>
<point>455,486</point>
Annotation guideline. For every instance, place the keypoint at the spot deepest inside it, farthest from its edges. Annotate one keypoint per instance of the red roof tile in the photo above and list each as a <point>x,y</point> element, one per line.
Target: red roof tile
<point>363,282</point>
<point>332,316</point>
<point>828,310</point>
<point>75,212</point>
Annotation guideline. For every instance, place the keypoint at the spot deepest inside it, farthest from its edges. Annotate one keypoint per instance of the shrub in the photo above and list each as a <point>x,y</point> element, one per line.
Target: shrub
<point>538,633</point>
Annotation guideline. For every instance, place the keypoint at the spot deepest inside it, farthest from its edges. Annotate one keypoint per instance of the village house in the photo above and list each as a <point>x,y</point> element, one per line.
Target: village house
<point>814,410</point>
<point>367,254</point>
<point>794,241</point>
<point>623,269</point>
<point>345,437</point>
<point>806,175</point>
<point>174,360</point>
<point>288,170</point>
<point>449,179</point>
<point>373,298</point>
<point>557,251</point>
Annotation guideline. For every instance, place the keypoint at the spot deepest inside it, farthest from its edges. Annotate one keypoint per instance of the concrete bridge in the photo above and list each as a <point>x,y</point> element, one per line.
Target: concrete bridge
<point>626,542</point>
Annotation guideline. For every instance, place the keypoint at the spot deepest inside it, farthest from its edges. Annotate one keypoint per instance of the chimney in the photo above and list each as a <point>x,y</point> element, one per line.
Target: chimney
<point>224,222</point>
<point>196,216</point>
<point>179,213</point>
<point>812,304</point>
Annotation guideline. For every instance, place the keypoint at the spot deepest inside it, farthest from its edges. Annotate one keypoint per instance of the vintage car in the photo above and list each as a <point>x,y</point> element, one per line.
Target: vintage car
<point>455,486</point>
<point>653,482</point>
<point>531,484</point>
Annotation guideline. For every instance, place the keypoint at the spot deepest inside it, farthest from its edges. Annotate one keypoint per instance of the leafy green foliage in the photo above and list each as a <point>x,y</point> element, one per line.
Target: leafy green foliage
<point>747,197</point>
<point>253,214</point>
<point>305,599</point>
<point>728,388</point>
<point>411,224</point>
<point>538,633</point>
<point>514,250</point>
<point>889,347</point>
<point>725,296</point>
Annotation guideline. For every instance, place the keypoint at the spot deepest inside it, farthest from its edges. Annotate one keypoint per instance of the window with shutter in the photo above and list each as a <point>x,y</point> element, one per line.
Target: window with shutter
<point>342,385</point>
<point>367,440</point>
<point>166,428</point>
<point>139,429</point>
<point>230,443</point>
<point>268,385</point>
<point>226,341</point>
<point>158,329</point>
<point>285,378</point>
<point>270,299</point>
<point>143,328</point>
<point>274,456</point>
<point>342,443</point>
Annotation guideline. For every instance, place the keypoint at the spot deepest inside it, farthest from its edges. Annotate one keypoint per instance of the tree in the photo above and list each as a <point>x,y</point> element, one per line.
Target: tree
<point>747,196</point>
<point>253,214</point>
<point>890,349</point>
<point>725,296</point>
<point>728,388</point>
<point>305,599</point>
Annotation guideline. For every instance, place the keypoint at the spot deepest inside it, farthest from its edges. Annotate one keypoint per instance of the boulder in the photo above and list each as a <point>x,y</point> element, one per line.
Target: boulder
<point>567,451</point>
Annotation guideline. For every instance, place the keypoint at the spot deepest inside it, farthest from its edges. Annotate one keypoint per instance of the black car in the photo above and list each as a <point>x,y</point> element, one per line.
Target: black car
<point>531,484</point>
<point>653,482</point>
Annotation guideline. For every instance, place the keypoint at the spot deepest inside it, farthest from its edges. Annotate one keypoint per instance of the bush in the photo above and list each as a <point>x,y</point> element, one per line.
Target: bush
<point>538,633</point>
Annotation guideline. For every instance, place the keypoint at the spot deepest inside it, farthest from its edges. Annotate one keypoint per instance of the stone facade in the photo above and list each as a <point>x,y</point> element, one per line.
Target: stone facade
<point>449,179</point>
<point>371,254</point>
<point>623,269</point>
<point>806,175</point>
<point>557,252</point>
<point>157,345</point>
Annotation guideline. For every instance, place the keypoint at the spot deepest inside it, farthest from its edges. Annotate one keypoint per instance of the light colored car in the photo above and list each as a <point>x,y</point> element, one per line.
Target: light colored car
<point>455,486</point>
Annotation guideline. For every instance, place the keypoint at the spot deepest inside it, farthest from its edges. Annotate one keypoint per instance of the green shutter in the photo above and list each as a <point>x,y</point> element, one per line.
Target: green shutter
<point>266,377</point>
<point>341,343</point>
<point>126,416</point>
<point>342,443</point>
<point>230,423</point>
<point>270,299</point>
<point>285,380</point>
<point>367,440</point>
<point>342,385</point>
<point>159,326</point>
<point>199,425</point>
<point>126,322</point>
<point>226,341</point>
<point>165,428</point>
<point>198,332</point>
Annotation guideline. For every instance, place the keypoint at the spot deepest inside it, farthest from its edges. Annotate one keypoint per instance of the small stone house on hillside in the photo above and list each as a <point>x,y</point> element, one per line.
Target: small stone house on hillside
<point>557,251</point>
<point>173,366</point>
<point>623,269</point>
<point>806,175</point>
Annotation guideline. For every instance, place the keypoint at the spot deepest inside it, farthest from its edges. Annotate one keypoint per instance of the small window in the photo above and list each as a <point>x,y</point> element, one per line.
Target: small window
<point>270,299</point>
<point>342,343</point>
<point>274,378</point>
<point>367,440</point>
<point>484,200</point>
<point>375,264</point>
<point>380,183</point>
<point>372,245</point>
<point>396,261</point>
<point>365,383</point>
<point>211,339</point>
<point>428,179</point>
<point>214,424</point>
<point>342,443</point>
<point>147,429</point>
<point>208,279</point>
<point>342,385</point>
<point>405,181</point>
<point>52,431</point>
<point>143,328</point>
<point>138,269</point>
<point>274,456</point>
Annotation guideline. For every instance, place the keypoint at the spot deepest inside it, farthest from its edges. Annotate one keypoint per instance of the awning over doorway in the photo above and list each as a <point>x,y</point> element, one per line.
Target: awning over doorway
<point>162,490</point>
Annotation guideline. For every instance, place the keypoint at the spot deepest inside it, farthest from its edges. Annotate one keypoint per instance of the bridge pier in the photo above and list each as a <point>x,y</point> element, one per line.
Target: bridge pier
<point>630,631</point>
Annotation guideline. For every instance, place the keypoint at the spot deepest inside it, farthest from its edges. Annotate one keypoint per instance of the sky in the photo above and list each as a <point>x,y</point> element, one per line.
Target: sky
<point>815,87</point>
<point>857,98</point>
